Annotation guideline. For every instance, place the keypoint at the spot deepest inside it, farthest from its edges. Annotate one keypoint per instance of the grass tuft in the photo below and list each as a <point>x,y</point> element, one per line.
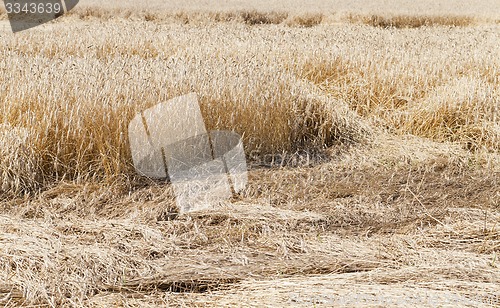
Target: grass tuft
<point>304,20</point>
<point>263,18</point>
<point>411,21</point>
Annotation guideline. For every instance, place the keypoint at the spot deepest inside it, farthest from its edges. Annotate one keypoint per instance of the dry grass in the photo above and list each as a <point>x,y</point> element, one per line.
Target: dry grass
<point>373,144</point>
<point>81,130</point>
<point>405,227</point>
<point>481,9</point>
<point>437,93</point>
<point>263,18</point>
<point>412,21</point>
<point>305,20</point>
<point>313,98</point>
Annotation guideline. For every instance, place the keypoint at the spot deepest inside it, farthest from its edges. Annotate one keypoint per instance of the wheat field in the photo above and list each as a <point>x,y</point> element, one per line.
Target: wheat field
<point>371,130</point>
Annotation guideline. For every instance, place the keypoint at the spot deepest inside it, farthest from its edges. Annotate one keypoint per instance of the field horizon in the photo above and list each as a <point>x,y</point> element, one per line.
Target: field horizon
<point>371,132</point>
